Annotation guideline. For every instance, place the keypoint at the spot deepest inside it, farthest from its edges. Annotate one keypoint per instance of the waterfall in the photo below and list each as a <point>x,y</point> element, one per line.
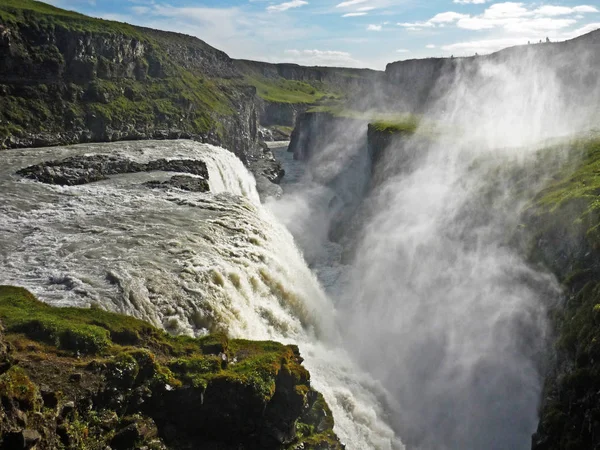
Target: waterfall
<point>191,263</point>
<point>432,298</point>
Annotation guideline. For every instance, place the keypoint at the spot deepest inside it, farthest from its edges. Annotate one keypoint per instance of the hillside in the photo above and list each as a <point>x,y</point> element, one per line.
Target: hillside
<point>67,78</point>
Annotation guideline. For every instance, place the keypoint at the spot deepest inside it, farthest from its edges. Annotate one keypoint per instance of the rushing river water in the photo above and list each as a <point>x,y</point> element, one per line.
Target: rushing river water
<point>189,262</point>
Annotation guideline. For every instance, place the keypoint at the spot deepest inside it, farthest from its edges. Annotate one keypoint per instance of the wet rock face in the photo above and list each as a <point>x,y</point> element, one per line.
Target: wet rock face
<point>183,182</point>
<point>78,170</point>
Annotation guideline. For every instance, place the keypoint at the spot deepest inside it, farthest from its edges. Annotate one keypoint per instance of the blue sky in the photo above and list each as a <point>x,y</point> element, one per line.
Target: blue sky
<point>353,33</point>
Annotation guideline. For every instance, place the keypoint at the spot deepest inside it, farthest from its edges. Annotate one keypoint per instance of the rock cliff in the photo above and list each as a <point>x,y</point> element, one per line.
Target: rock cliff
<point>561,229</point>
<point>425,82</point>
<point>67,78</point>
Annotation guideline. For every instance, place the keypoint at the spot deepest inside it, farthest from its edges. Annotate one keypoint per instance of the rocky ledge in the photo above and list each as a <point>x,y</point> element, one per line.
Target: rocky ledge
<point>77,170</point>
<point>86,378</point>
<point>183,182</point>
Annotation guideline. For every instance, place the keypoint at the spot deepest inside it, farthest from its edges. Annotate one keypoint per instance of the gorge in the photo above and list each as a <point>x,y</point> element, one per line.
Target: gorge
<point>426,246</point>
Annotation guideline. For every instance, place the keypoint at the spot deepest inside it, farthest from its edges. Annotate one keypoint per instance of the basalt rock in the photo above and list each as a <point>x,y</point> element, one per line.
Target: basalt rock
<point>183,182</point>
<point>77,170</point>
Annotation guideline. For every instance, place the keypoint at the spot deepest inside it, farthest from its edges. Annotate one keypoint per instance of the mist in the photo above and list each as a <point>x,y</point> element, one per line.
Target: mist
<point>434,299</point>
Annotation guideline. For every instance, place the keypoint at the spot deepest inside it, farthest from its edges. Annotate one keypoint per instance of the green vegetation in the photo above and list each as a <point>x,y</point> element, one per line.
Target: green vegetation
<point>562,224</point>
<point>280,90</point>
<point>137,376</point>
<point>579,181</point>
<point>568,208</point>
<point>380,121</point>
<point>46,16</point>
<point>406,124</point>
<point>142,89</point>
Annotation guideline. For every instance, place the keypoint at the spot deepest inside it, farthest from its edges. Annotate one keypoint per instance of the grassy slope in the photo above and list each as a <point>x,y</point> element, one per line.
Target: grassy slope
<point>21,11</point>
<point>50,343</point>
<point>280,90</point>
<point>179,98</point>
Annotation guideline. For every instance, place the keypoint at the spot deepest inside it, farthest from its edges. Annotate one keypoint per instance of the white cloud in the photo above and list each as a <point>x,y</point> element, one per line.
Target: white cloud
<point>447,17</point>
<point>372,27</point>
<point>287,5</point>
<point>482,46</point>
<point>349,3</point>
<point>322,57</point>
<point>513,17</point>
<point>583,30</point>
<point>416,25</point>
<point>550,11</point>
<point>538,25</point>
<point>402,50</point>
<point>492,45</point>
<point>355,14</point>
<point>506,10</point>
<point>473,2</point>
<point>430,46</point>
<point>585,9</point>
<point>141,9</point>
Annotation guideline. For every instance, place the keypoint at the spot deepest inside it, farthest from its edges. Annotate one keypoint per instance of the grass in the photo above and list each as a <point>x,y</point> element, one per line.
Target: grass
<point>571,201</point>
<point>406,124</point>
<point>562,223</point>
<point>123,357</point>
<point>43,15</point>
<point>96,332</point>
<point>281,90</point>
<point>380,121</point>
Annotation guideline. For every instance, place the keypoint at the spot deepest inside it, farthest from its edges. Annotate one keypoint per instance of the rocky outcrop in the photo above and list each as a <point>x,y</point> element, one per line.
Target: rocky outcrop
<point>78,170</point>
<point>341,77</point>
<point>395,148</point>
<point>317,130</point>
<point>182,182</point>
<point>85,378</point>
<point>284,114</point>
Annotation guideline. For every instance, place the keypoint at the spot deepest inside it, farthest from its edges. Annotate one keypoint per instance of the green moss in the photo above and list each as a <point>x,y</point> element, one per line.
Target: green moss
<point>408,124</point>
<point>562,222</point>
<point>16,386</point>
<point>196,360</point>
<point>75,329</point>
<point>143,365</point>
<point>570,204</point>
<point>315,427</point>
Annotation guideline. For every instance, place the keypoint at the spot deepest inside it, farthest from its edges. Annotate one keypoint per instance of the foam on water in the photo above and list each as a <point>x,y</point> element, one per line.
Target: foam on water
<point>190,262</point>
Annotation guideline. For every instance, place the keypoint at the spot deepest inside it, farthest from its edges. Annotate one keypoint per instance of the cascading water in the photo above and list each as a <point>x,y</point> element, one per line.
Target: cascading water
<point>435,303</point>
<point>190,262</point>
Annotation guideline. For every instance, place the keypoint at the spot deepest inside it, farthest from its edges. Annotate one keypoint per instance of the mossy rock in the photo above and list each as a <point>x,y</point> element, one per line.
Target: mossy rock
<point>194,392</point>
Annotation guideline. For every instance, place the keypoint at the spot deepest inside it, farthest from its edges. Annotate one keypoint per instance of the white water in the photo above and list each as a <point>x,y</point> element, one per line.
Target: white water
<point>190,262</point>
<point>433,298</point>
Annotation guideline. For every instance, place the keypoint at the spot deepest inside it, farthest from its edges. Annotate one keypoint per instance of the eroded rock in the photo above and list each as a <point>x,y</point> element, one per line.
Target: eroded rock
<point>78,170</point>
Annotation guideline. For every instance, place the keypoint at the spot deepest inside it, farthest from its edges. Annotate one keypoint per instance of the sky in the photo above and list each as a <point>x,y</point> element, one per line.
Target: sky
<point>353,33</point>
